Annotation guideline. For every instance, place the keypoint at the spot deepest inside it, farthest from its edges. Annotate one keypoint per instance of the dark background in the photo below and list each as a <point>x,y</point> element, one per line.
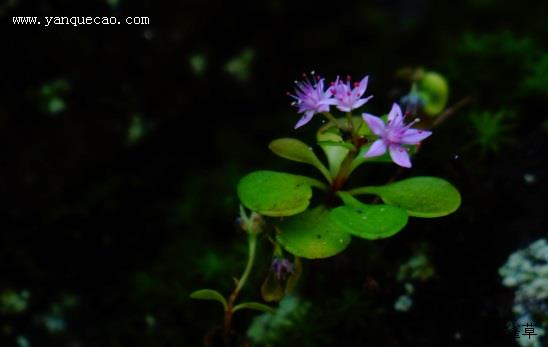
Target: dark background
<point>123,198</point>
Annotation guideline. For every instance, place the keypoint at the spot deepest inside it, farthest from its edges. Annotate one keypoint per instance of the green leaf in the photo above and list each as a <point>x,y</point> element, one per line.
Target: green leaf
<point>426,197</point>
<point>312,234</point>
<point>293,149</point>
<point>368,221</point>
<point>335,149</point>
<point>254,306</point>
<point>361,127</point>
<point>298,151</point>
<point>276,194</point>
<point>335,143</point>
<point>209,294</point>
<point>434,91</point>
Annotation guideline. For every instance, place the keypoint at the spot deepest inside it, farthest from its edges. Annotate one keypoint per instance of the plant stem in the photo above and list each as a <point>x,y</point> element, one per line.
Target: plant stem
<point>325,172</point>
<point>342,175</point>
<point>451,110</point>
<point>350,123</point>
<point>362,191</point>
<point>357,141</point>
<point>252,246</point>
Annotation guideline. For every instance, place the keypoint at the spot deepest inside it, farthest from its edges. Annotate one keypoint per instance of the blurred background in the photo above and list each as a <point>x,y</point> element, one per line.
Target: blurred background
<point>121,148</point>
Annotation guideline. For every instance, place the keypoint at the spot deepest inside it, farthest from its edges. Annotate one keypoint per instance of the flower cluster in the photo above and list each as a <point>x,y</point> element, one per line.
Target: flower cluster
<point>311,97</point>
<point>348,98</point>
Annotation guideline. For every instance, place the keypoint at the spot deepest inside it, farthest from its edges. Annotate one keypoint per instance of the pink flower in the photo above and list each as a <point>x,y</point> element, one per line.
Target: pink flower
<point>348,98</point>
<point>311,98</point>
<point>393,135</point>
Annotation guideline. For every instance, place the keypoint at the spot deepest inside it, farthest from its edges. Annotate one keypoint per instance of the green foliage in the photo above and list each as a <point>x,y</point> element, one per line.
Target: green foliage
<point>433,90</point>
<point>14,302</point>
<point>500,43</point>
<point>294,149</point>
<point>136,130</point>
<point>536,80</point>
<point>52,96</point>
<point>312,234</point>
<point>298,151</point>
<point>335,143</point>
<point>491,130</point>
<point>275,194</point>
<point>198,64</point>
<point>209,294</point>
<point>368,221</point>
<point>269,329</point>
<point>239,67</point>
<point>426,197</point>
<point>471,60</point>
<point>334,147</point>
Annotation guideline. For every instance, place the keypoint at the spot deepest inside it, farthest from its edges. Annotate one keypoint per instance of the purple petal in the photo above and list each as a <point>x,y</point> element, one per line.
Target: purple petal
<point>304,119</point>
<point>377,148</point>
<point>399,155</point>
<point>394,116</point>
<point>374,123</point>
<point>328,100</point>
<point>322,108</point>
<point>319,85</point>
<point>360,102</point>
<point>414,136</point>
<point>343,107</point>
<point>362,86</point>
